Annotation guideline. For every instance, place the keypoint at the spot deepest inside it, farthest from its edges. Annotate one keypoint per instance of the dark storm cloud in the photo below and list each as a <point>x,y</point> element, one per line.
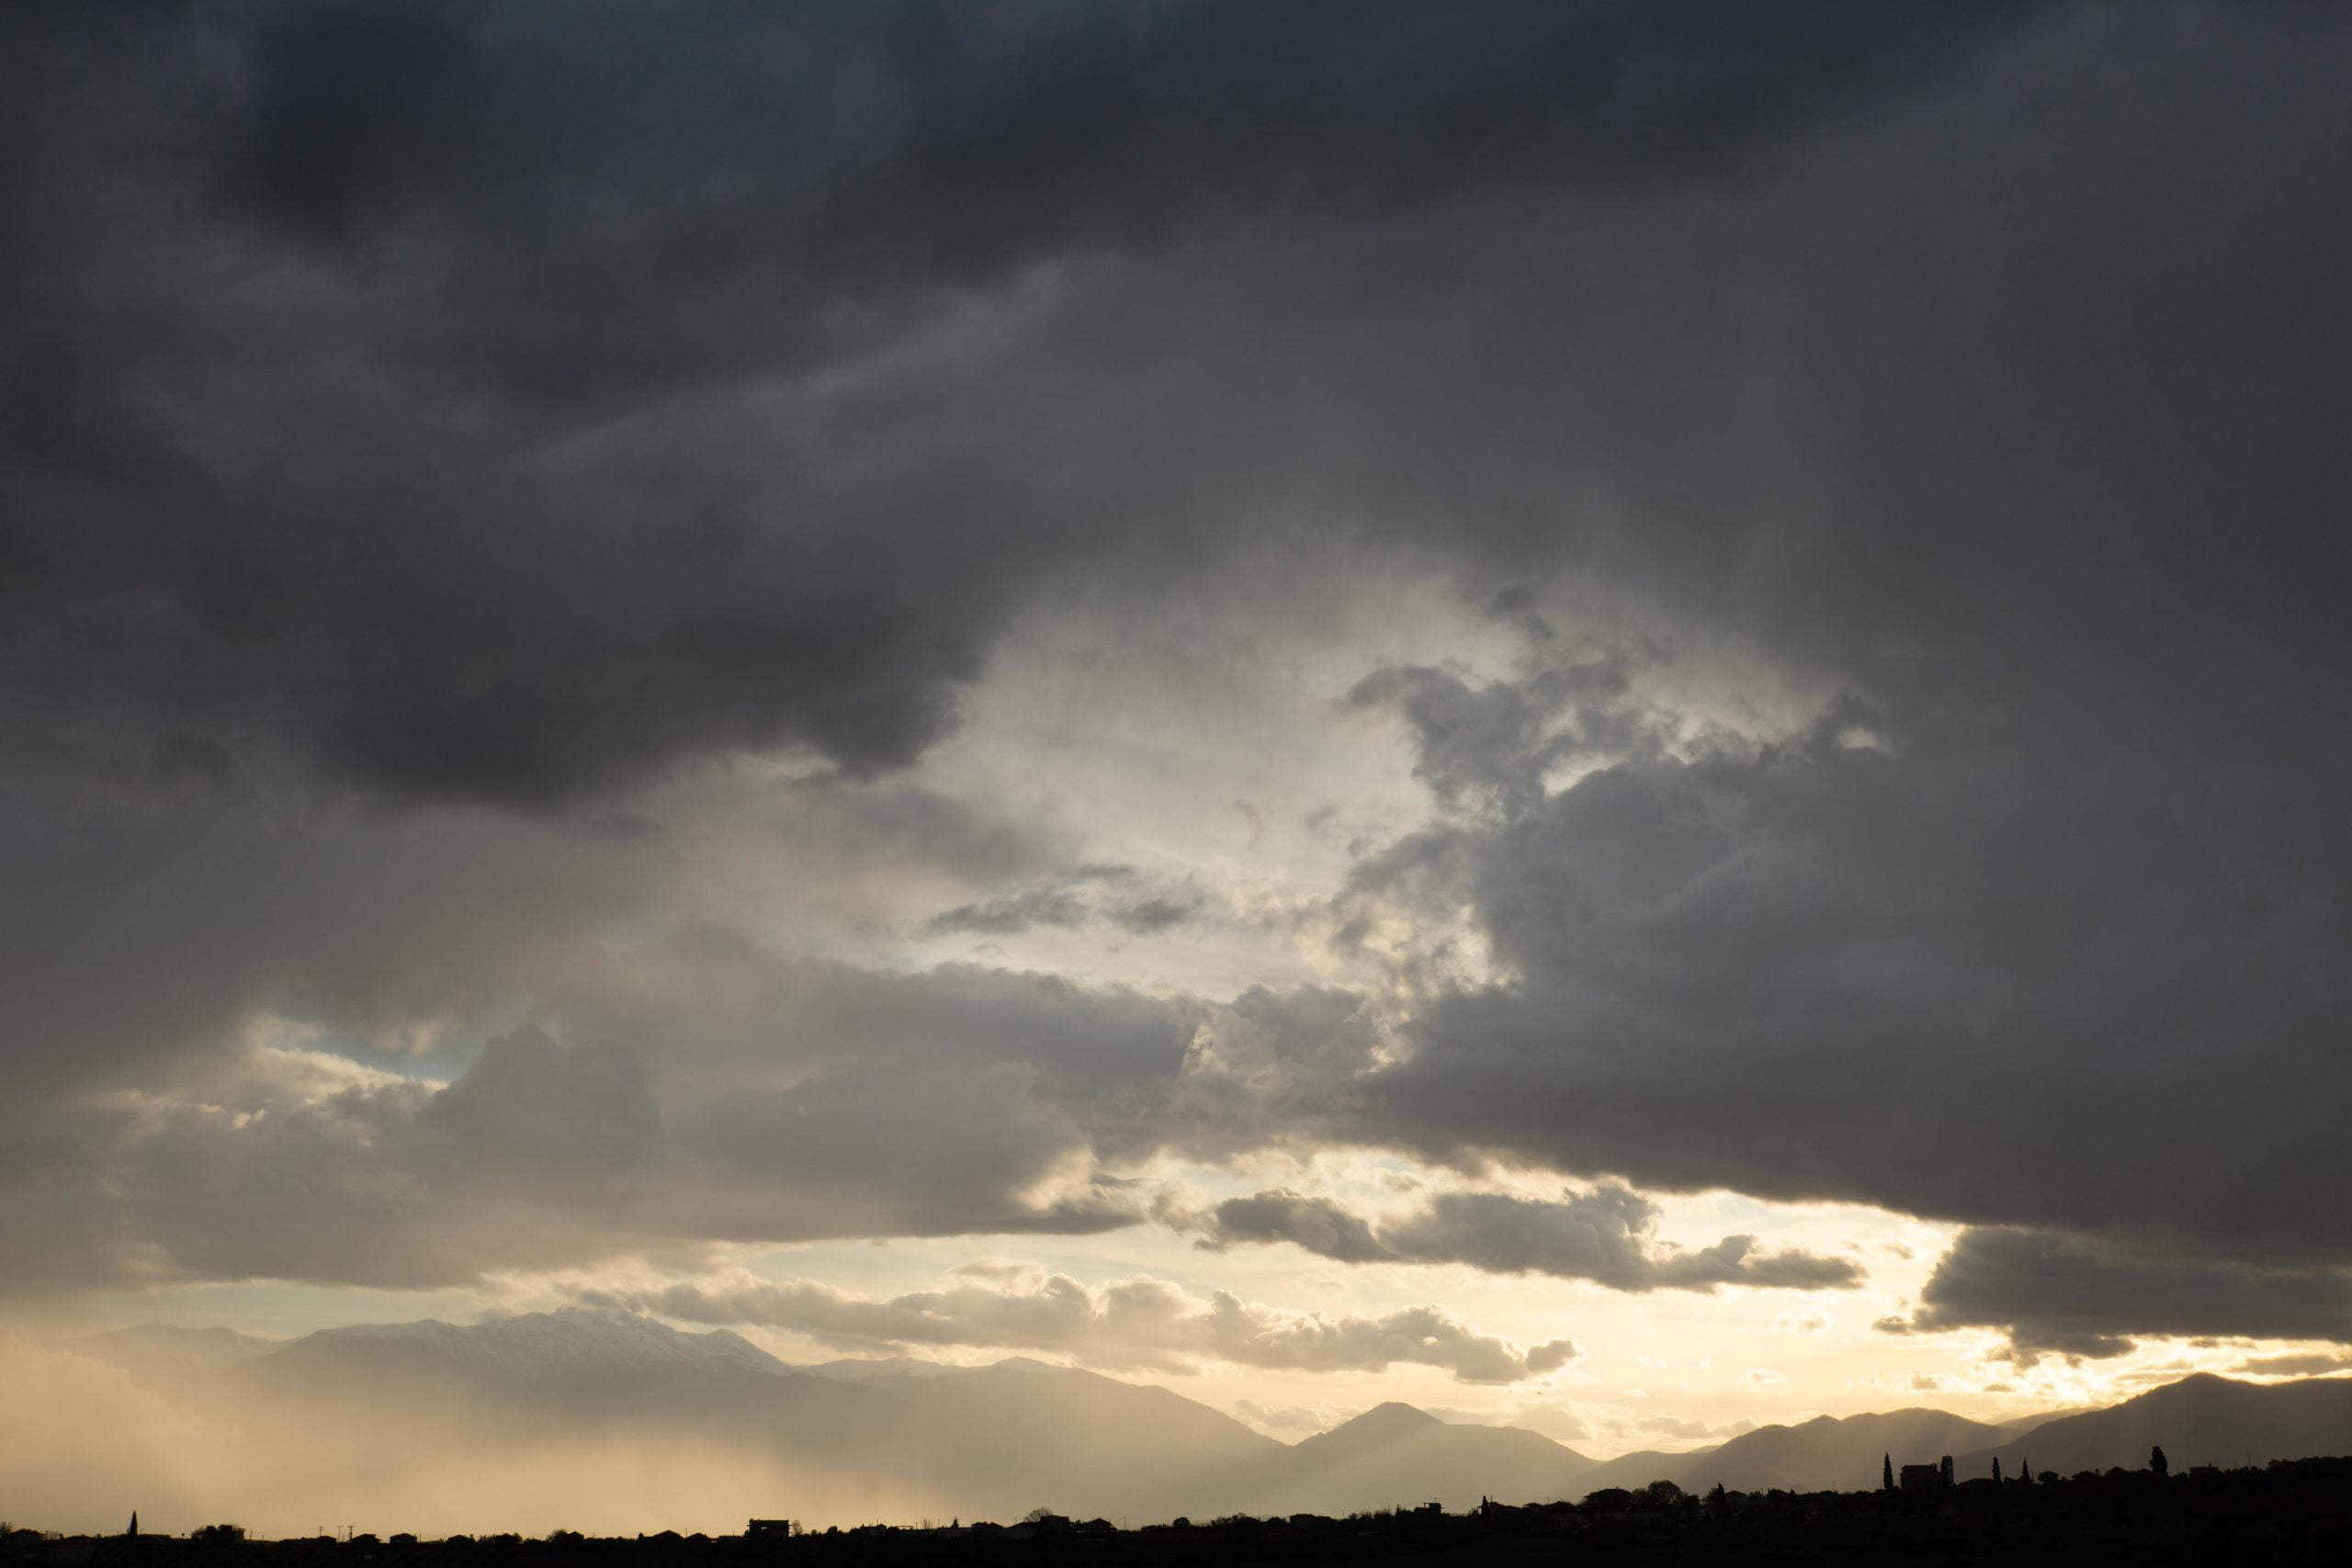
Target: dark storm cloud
<point>807,157</point>
<point>497,404</point>
<point>2074,1295</point>
<point>1790,968</point>
<point>137,933</point>
<point>1605,1234</point>
<point>378,371</point>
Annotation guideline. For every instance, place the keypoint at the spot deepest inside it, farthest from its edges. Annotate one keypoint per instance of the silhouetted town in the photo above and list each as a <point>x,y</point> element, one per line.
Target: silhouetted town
<point>2288,1510</point>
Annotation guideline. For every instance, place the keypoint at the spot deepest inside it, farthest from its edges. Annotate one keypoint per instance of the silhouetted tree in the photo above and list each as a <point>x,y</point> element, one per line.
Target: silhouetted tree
<point>1662,1493</point>
<point>1997,1470</point>
<point>1886,1473</point>
<point>2157,1462</point>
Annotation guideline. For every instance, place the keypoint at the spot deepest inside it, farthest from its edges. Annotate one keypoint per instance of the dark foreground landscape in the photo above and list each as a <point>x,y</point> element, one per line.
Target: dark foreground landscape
<point>2293,1510</point>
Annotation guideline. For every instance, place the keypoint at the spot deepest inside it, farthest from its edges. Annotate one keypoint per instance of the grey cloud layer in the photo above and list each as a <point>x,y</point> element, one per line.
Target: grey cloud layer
<point>422,402</point>
<point>1798,968</point>
<point>712,488</point>
<point>2074,1295</point>
<point>1605,1234</point>
<point>1139,1323</point>
<point>811,1101</point>
<point>1116,896</point>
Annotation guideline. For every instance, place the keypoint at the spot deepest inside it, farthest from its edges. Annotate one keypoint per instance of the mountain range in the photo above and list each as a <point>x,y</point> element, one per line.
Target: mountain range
<point>996,1441</point>
<point>2201,1419</point>
<point>1825,1453</point>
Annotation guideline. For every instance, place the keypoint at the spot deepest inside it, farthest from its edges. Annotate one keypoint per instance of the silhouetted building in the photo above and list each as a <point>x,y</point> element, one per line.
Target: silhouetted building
<point>1924,1478</point>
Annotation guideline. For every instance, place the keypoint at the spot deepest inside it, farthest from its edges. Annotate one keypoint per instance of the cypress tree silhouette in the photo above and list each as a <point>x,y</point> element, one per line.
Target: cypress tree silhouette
<point>1886,1473</point>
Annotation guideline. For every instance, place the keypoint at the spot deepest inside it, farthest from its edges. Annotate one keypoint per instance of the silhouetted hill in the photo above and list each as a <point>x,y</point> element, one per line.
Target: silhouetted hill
<point>882,1370</point>
<point>2201,1419</point>
<point>915,1439</point>
<point>2042,1417</point>
<point>995,1442</point>
<point>1377,1428</point>
<point>1395,1454</point>
<point>1823,1454</point>
<point>543,1378</point>
<point>989,1442</point>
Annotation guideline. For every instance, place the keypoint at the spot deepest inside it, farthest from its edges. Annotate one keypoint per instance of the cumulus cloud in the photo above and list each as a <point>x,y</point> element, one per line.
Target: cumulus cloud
<point>1137,1323</point>
<point>1604,1234</point>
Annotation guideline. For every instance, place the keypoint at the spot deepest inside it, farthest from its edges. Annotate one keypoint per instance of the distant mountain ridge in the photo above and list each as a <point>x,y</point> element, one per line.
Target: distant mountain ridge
<point>184,1347</point>
<point>1395,1454</point>
<point>170,1359</point>
<point>536,1344</point>
<point>995,1441</point>
<point>2201,1419</point>
<point>1826,1453</point>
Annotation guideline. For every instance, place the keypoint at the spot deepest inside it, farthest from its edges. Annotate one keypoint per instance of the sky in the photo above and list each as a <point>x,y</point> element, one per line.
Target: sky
<point>1618,716</point>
